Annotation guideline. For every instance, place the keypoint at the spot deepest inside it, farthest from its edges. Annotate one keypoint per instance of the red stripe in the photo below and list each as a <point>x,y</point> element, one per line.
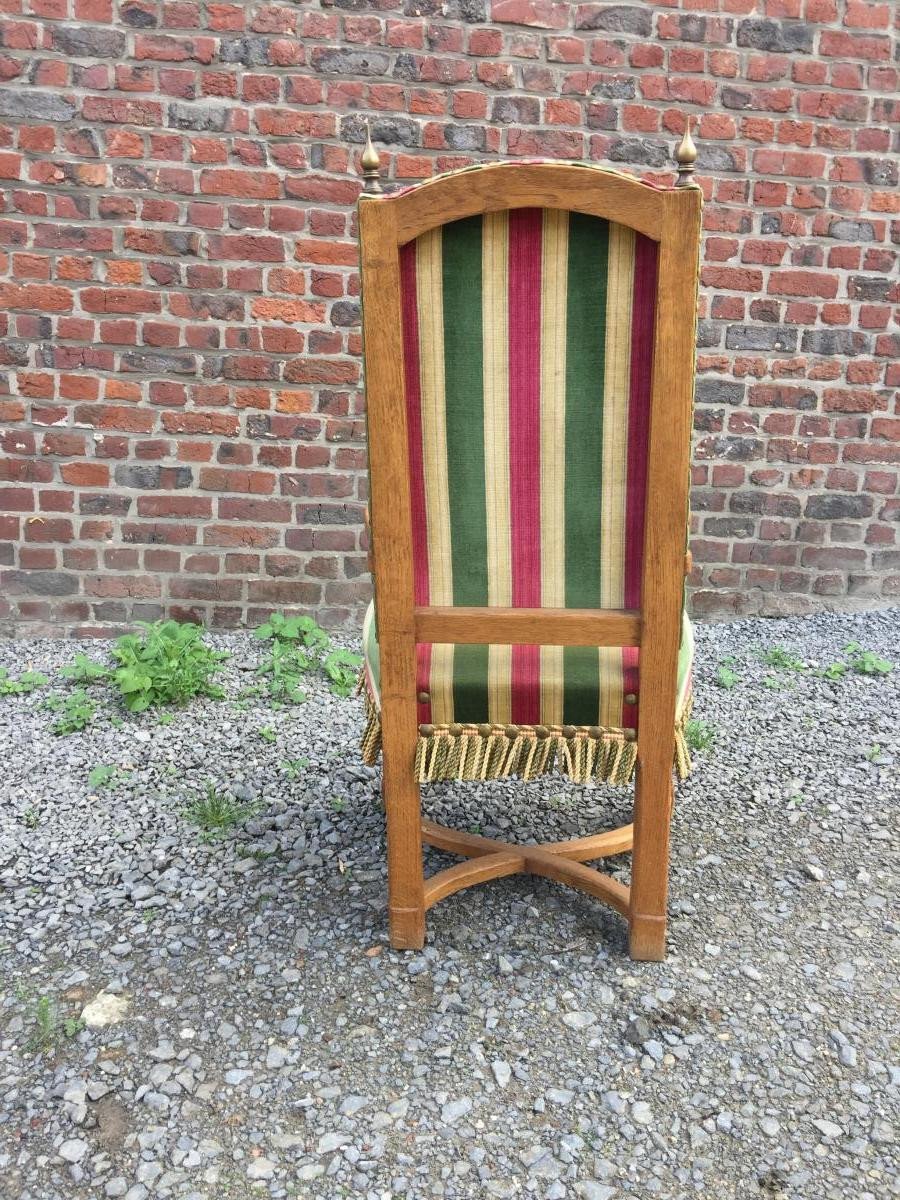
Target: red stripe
<point>410,310</point>
<point>643,320</point>
<point>525,246</point>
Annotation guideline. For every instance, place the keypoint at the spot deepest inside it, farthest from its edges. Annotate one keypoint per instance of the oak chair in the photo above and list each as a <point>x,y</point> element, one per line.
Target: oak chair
<point>529,333</point>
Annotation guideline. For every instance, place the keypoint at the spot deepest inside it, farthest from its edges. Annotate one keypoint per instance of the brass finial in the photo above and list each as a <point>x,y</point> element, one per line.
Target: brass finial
<point>686,156</point>
<point>370,164</point>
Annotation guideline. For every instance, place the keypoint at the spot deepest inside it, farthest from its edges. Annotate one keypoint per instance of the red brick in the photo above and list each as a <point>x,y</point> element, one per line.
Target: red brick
<point>231,249</point>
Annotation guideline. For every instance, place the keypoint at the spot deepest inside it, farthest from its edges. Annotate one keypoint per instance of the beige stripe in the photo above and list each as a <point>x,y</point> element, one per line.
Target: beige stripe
<point>620,281</point>
<point>495,327</point>
<point>554,278</point>
<point>440,684</point>
<point>434,453</point>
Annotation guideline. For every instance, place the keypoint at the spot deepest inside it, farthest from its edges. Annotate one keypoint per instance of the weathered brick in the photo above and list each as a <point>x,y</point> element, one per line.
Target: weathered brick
<point>786,37</point>
<point>181,285</point>
<point>839,507</point>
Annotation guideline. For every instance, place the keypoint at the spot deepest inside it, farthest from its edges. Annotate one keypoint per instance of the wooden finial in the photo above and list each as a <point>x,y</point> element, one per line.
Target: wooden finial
<point>370,164</point>
<point>686,156</point>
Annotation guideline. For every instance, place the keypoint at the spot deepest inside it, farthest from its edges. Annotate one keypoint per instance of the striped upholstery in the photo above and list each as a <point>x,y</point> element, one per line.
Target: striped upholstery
<point>473,684</point>
<point>527,338</point>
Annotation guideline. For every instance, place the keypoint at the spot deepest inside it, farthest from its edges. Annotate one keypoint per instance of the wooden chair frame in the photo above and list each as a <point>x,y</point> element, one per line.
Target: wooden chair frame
<point>387,222</point>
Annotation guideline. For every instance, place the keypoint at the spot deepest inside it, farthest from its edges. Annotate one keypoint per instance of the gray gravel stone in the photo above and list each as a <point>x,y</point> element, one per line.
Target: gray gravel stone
<point>455,1110</point>
<point>73,1150</point>
<point>271,1039</point>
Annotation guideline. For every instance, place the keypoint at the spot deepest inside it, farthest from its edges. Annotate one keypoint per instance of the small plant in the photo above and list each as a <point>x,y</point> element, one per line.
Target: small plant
<point>726,678</point>
<point>267,733</point>
<point>773,683</point>
<point>873,753</point>
<point>866,662</point>
<point>106,776</point>
<point>165,718</point>
<point>293,767</point>
<point>835,670</point>
<point>31,818</point>
<point>24,685</point>
<point>284,666</point>
<point>302,632</point>
<point>76,711</point>
<point>338,803</point>
<point>167,663</point>
<point>49,1028</point>
<point>298,646</point>
<point>342,668</point>
<point>779,657</point>
<point>101,775</point>
<point>218,811</point>
<point>84,670</point>
<point>699,734</point>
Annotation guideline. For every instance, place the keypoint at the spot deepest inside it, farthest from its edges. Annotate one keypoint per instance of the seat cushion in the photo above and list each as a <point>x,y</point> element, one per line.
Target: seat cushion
<point>571,694</point>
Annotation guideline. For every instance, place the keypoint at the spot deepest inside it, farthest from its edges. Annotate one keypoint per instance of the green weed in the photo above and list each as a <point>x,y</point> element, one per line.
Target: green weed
<point>31,818</point>
<point>285,665</point>
<point>267,733</point>
<point>342,668</point>
<point>293,767</point>
<point>835,670</point>
<point>84,670</point>
<point>24,685</point>
<point>217,812</point>
<point>726,678</point>
<point>104,775</point>
<point>298,646</point>
<point>166,663</point>
<point>866,662</point>
<point>76,711</point>
<point>779,657</point>
<point>49,1027</point>
<point>699,735</point>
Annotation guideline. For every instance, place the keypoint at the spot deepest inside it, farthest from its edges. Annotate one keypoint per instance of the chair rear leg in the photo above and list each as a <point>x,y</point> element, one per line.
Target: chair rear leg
<point>650,859</point>
<point>406,876</point>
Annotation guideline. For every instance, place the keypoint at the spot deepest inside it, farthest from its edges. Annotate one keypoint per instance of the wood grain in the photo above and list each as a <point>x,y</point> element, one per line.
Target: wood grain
<point>491,859</point>
<point>662,580</point>
<point>392,553</point>
<point>528,626</point>
<point>472,871</point>
<point>386,222</point>
<point>498,186</point>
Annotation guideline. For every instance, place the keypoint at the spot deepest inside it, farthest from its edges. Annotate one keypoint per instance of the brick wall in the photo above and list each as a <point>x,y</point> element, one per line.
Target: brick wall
<point>182,423</point>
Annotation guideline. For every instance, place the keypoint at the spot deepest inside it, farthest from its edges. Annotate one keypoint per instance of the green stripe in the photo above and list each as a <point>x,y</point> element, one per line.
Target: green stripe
<point>585,364</point>
<point>464,388</point>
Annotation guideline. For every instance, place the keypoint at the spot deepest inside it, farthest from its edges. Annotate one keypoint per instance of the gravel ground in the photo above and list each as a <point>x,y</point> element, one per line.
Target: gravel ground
<point>273,1045</point>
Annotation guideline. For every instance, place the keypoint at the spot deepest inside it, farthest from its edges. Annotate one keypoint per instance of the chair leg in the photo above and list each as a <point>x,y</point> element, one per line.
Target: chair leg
<point>650,859</point>
<point>406,875</point>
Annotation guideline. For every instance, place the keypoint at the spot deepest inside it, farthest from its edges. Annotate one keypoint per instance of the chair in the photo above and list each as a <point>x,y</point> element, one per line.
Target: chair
<point>529,333</point>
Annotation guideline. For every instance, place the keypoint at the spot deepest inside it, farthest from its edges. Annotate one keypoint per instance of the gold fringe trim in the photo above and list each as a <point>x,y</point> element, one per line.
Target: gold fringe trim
<point>371,738</point>
<point>474,752</point>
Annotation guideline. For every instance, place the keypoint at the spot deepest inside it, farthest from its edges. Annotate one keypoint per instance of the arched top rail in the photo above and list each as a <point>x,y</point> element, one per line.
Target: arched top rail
<point>491,187</point>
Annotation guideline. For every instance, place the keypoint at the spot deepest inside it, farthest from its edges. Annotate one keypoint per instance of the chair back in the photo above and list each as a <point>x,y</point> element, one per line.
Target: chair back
<point>531,454</point>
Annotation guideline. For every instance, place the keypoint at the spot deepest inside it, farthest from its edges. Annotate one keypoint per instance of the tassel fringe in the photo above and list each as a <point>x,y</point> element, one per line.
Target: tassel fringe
<point>474,752</point>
